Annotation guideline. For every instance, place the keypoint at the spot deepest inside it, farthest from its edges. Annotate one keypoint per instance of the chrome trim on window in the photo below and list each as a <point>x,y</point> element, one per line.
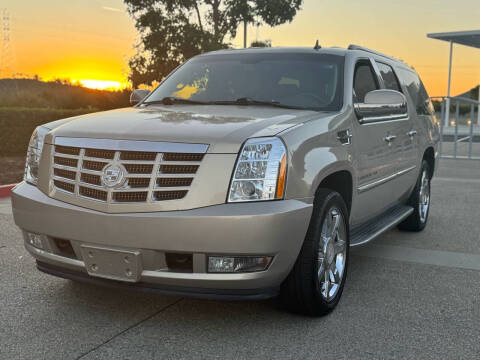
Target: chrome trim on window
<point>376,119</point>
<point>371,113</point>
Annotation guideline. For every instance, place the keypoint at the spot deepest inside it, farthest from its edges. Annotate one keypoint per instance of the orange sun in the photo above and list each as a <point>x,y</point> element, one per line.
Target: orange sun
<point>102,84</point>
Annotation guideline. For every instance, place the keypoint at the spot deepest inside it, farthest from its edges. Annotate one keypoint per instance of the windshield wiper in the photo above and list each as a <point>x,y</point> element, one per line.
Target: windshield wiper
<point>250,101</point>
<point>170,100</point>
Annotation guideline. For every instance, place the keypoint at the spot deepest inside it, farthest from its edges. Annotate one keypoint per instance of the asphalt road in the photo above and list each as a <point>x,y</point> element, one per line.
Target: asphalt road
<point>407,296</point>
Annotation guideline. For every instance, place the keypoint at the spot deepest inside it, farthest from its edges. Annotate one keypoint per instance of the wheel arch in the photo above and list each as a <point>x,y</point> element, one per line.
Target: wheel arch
<point>340,181</point>
<point>429,157</point>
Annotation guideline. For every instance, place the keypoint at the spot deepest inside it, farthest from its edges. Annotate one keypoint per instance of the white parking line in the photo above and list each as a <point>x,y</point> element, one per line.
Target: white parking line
<point>471,181</point>
<point>421,256</point>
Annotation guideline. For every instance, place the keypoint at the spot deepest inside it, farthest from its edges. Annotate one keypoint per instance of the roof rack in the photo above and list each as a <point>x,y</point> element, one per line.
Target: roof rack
<point>357,47</point>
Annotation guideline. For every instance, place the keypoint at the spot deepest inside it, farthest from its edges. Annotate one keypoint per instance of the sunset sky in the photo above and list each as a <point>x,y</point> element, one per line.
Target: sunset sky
<point>91,40</point>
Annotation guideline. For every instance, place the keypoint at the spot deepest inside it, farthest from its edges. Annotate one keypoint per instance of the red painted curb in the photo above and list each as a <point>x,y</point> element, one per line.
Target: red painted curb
<point>5,190</point>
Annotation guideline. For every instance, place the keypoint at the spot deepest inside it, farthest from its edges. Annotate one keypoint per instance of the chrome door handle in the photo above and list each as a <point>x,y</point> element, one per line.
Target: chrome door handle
<point>389,138</point>
<point>412,133</point>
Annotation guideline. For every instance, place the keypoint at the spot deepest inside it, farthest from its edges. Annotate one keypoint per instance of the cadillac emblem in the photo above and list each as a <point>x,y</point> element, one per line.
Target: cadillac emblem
<point>113,175</point>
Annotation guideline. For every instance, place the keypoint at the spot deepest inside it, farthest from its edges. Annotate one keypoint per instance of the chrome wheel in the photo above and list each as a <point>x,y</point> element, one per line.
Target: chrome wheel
<point>424,196</point>
<point>332,254</point>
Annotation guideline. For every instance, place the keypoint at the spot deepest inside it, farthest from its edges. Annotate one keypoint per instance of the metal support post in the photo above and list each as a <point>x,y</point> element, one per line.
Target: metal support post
<point>447,110</point>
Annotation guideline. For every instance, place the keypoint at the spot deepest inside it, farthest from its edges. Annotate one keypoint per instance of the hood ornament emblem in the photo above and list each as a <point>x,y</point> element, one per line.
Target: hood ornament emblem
<point>113,175</point>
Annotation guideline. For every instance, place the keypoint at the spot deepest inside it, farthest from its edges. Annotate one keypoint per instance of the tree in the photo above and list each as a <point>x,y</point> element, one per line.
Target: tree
<point>172,31</point>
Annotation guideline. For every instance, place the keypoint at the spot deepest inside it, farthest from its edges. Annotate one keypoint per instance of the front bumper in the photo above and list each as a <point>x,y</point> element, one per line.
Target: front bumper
<point>275,228</point>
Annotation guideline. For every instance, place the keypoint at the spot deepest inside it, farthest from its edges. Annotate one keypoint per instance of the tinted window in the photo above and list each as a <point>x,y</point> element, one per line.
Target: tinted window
<point>312,81</point>
<point>417,91</point>
<point>389,77</point>
<point>364,81</point>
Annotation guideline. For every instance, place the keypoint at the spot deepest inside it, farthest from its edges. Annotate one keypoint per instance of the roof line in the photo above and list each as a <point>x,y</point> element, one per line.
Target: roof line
<point>362,48</point>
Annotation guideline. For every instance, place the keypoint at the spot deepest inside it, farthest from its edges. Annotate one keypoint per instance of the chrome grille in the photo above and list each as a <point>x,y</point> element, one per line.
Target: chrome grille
<point>174,182</point>
<point>138,182</point>
<point>67,174</point>
<point>67,150</point>
<point>68,187</point>
<point>91,179</point>
<point>148,176</point>
<point>169,195</point>
<point>137,155</point>
<point>139,168</point>
<point>98,153</point>
<point>178,169</point>
<point>137,196</point>
<point>93,193</point>
<point>66,161</point>
<point>93,165</point>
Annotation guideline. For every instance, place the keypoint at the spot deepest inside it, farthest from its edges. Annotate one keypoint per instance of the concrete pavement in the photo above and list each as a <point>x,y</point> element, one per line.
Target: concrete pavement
<point>408,295</point>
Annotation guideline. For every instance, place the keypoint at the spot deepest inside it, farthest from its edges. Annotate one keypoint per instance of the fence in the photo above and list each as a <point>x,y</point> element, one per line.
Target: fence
<point>461,128</point>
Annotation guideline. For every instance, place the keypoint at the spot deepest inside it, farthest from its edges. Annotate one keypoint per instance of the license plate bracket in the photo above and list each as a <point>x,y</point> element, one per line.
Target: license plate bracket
<point>113,264</point>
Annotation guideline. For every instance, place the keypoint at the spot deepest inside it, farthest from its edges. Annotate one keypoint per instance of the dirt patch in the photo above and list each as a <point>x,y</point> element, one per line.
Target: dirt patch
<point>11,169</point>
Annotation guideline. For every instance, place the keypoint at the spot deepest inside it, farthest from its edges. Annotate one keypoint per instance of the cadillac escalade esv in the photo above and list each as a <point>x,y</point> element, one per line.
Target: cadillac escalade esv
<point>245,174</point>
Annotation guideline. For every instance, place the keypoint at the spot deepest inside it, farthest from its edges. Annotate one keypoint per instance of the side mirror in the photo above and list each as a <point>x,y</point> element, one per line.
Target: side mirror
<point>138,95</point>
<point>382,105</point>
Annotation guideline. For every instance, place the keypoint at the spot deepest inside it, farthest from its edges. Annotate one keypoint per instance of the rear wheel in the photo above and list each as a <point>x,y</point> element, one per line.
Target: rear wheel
<point>316,282</point>
<point>420,201</point>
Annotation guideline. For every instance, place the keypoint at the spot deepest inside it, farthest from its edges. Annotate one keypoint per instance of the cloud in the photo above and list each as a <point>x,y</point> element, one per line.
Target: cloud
<point>111,9</point>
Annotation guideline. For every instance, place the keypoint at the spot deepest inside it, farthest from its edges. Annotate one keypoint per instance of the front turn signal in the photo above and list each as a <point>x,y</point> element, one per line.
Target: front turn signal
<point>282,176</point>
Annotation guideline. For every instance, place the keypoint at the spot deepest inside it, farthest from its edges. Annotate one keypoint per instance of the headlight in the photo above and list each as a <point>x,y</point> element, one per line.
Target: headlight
<point>33,155</point>
<point>260,172</point>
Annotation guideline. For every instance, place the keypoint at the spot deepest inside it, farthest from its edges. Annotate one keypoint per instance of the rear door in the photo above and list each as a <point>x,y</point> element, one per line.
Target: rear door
<point>405,145</point>
<point>375,160</point>
<point>418,102</point>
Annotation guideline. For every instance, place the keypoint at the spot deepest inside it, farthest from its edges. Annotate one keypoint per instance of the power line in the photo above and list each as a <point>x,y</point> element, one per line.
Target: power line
<point>6,54</point>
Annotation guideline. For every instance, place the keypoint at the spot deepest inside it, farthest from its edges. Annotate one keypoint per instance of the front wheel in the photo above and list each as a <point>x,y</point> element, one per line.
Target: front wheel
<point>315,284</point>
<point>420,201</point>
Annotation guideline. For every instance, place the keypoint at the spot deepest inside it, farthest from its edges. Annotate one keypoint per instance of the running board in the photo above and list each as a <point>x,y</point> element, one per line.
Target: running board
<point>368,231</point>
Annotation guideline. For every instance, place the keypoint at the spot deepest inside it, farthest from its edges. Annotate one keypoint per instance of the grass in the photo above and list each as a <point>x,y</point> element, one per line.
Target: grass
<point>11,169</point>
<point>18,123</point>
<point>33,93</point>
<point>28,103</point>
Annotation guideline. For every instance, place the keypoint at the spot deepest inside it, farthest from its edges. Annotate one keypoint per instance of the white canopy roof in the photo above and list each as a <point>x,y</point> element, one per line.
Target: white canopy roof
<point>467,38</point>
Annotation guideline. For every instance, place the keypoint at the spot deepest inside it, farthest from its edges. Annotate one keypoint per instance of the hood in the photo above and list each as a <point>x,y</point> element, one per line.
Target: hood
<point>223,128</point>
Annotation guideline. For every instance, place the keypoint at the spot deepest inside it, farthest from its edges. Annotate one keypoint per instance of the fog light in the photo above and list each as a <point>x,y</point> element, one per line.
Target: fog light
<point>238,264</point>
<point>35,240</point>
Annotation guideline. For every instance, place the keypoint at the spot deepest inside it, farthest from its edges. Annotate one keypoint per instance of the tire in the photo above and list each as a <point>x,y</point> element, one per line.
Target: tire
<point>420,201</point>
<point>303,291</point>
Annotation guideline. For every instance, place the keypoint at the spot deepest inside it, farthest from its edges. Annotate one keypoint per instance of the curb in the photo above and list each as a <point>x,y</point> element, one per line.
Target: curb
<point>5,190</point>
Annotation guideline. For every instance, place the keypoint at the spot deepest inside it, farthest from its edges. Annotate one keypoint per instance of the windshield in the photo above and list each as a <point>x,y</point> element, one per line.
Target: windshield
<point>310,81</point>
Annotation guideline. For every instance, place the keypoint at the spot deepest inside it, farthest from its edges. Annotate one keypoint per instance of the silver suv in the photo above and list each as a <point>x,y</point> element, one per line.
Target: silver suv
<point>244,174</point>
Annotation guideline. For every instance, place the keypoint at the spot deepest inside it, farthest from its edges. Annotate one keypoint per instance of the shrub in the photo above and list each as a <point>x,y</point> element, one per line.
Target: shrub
<point>17,125</point>
<point>58,95</point>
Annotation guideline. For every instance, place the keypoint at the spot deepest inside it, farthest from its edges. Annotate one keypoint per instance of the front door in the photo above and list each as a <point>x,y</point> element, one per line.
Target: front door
<point>375,153</point>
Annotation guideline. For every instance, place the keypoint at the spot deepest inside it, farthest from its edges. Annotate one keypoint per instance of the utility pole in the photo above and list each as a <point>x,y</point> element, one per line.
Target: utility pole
<point>5,54</point>
<point>245,24</point>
